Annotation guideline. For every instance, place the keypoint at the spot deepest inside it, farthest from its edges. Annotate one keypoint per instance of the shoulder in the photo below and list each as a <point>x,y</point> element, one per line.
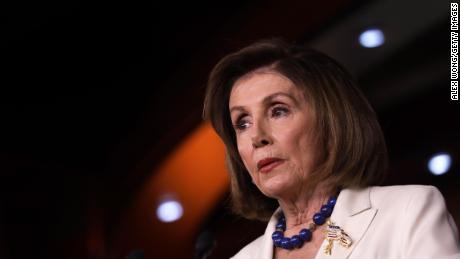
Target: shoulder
<point>403,189</point>
<point>261,247</point>
<point>396,201</point>
<point>251,250</point>
<point>404,195</point>
<point>419,214</point>
<point>410,204</point>
<point>387,199</point>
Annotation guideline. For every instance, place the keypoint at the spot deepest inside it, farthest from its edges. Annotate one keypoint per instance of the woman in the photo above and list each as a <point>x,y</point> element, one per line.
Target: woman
<point>305,152</point>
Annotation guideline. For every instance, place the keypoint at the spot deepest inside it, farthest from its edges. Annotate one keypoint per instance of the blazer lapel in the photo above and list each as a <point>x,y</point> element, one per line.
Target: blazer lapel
<point>353,213</point>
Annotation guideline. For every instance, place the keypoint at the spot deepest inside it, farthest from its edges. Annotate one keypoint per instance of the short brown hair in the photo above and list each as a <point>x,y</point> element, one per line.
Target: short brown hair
<point>352,147</point>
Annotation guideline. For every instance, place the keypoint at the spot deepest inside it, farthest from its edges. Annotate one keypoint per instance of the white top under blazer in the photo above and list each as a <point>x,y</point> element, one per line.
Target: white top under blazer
<point>392,222</point>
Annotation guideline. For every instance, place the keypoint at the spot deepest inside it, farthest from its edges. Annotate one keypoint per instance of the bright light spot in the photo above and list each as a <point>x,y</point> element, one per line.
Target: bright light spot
<point>371,38</point>
<point>169,211</point>
<point>439,163</point>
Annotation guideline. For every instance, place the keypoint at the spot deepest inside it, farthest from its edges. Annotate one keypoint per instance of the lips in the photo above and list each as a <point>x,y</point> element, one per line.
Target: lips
<point>267,164</point>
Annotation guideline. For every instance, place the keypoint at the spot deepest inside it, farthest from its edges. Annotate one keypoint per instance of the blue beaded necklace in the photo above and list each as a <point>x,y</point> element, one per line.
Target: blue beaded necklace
<point>305,234</point>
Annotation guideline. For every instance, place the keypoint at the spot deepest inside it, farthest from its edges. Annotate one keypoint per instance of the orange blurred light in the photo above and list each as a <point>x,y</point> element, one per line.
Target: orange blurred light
<point>195,175</point>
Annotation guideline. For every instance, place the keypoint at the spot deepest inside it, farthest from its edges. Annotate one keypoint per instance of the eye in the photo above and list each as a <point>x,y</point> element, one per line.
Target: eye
<point>278,111</point>
<point>241,124</point>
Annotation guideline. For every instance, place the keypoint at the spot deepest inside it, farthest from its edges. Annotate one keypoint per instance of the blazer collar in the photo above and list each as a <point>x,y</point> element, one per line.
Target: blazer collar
<point>353,213</point>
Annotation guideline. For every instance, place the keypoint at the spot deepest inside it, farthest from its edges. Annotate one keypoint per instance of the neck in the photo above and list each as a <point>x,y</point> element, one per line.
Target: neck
<point>299,210</point>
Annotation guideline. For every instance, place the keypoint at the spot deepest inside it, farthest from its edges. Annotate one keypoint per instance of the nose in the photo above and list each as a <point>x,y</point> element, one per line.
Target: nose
<point>260,136</point>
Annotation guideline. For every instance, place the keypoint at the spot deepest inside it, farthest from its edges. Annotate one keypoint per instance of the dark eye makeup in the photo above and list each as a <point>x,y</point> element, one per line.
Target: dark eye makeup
<point>276,110</point>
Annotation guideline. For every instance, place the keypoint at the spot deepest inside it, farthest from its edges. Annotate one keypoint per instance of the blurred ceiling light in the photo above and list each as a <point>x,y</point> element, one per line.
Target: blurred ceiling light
<point>371,38</point>
<point>169,211</point>
<point>439,163</point>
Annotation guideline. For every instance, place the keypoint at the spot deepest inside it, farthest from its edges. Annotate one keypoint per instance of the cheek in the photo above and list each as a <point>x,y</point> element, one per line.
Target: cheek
<point>245,151</point>
<point>304,148</point>
<point>291,139</point>
<point>296,142</point>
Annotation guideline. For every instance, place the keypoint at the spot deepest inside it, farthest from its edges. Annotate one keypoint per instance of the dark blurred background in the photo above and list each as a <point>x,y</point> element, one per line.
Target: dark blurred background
<point>97,95</point>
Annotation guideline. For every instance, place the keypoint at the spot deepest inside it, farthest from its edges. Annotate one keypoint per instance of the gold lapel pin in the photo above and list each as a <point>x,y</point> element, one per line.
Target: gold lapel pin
<point>335,233</point>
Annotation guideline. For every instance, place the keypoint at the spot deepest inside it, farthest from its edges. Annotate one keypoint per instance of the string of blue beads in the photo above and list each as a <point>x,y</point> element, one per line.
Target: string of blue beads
<point>305,234</point>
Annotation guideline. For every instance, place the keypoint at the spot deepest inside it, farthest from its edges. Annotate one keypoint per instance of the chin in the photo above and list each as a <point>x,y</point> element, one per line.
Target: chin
<point>273,189</point>
<point>275,183</point>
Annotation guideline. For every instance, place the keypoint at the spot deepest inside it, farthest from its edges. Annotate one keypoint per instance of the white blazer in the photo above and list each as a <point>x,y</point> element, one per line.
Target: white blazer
<point>394,222</point>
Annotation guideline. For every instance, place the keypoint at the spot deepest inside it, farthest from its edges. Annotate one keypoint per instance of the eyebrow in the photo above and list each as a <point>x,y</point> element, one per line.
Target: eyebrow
<point>266,100</point>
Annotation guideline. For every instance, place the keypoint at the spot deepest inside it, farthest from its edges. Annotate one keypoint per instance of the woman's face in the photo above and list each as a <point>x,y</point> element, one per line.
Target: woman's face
<point>273,123</point>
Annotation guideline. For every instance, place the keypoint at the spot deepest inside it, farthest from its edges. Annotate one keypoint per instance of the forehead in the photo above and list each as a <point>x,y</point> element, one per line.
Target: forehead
<point>253,87</point>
